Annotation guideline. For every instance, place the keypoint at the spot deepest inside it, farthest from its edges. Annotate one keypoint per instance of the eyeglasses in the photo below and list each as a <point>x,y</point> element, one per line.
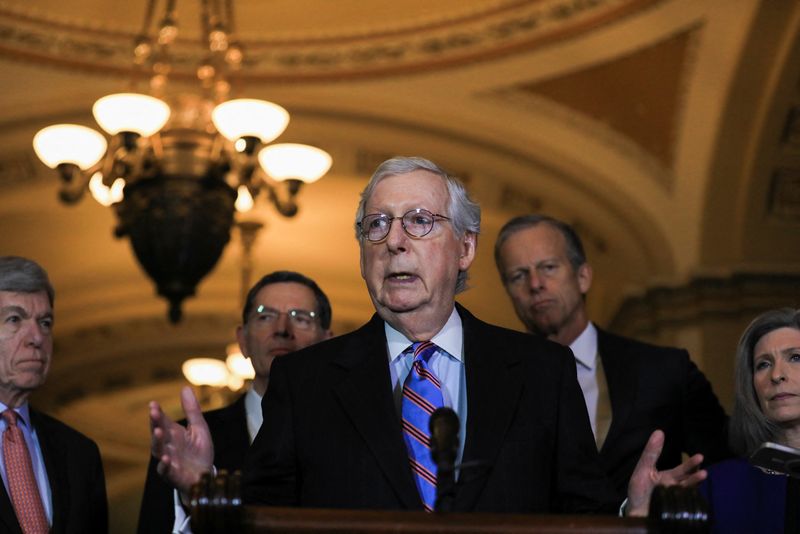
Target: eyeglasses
<point>300,319</point>
<point>416,223</point>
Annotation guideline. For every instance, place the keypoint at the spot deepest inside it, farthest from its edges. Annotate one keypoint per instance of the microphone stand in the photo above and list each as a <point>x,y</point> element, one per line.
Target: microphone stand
<point>444,427</point>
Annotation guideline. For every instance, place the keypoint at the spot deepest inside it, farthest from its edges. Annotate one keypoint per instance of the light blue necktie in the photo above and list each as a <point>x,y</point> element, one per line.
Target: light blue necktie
<point>422,394</point>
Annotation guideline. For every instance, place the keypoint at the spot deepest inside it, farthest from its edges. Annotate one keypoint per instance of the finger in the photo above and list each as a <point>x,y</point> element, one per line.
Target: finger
<point>163,465</point>
<point>694,479</point>
<point>651,452</point>
<point>685,469</point>
<point>157,416</point>
<point>191,407</point>
<point>155,413</point>
<point>156,441</point>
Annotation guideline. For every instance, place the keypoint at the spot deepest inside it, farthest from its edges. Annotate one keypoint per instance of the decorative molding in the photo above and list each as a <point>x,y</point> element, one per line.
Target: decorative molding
<point>526,102</point>
<point>704,298</point>
<point>464,37</point>
<point>784,197</point>
<point>18,168</point>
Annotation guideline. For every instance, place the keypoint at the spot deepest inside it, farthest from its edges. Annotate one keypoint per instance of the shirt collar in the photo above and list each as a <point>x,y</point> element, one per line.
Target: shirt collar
<point>585,347</point>
<point>252,410</point>
<point>450,338</point>
<point>23,411</point>
<point>252,401</point>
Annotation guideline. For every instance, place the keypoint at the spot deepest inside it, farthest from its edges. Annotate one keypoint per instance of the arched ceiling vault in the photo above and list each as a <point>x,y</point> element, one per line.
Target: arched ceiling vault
<point>665,130</point>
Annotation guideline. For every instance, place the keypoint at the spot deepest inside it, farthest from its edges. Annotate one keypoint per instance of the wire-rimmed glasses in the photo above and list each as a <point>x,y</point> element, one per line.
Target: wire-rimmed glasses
<point>417,223</point>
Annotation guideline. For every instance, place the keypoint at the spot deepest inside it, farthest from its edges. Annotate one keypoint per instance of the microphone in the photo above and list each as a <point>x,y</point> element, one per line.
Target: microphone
<point>444,427</point>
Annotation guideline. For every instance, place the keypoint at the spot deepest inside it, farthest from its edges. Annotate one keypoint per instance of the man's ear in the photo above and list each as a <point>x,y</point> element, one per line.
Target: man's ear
<point>240,337</point>
<point>585,278</point>
<point>361,258</point>
<point>469,244</point>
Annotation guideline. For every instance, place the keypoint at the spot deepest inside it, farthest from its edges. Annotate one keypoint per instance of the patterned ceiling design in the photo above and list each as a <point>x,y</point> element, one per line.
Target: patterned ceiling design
<point>477,32</point>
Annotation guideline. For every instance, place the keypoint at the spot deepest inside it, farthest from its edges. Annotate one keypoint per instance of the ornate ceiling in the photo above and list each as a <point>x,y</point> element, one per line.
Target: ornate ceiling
<point>665,130</point>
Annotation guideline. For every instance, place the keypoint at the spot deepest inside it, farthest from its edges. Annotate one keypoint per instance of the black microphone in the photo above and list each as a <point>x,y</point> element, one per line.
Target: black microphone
<point>444,427</point>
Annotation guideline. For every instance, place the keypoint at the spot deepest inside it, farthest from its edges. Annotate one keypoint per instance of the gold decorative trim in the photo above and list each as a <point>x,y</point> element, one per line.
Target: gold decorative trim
<point>704,297</point>
<point>515,26</point>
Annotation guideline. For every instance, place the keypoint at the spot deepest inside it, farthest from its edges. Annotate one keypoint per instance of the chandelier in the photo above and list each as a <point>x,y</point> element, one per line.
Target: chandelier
<point>180,165</point>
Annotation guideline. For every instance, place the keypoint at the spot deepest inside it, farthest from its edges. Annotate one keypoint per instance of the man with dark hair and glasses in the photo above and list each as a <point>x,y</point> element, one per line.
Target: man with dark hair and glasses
<point>283,312</point>
<point>346,421</point>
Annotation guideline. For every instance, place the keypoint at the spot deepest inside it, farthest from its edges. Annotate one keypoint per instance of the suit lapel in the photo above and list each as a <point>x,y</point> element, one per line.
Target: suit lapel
<point>622,380</point>
<point>233,438</point>
<point>55,465</point>
<point>493,390</point>
<point>8,519</point>
<point>365,393</point>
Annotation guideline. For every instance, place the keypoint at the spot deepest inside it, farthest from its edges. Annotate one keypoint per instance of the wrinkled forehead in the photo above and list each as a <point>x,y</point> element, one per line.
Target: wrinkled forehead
<point>398,193</point>
<point>284,296</point>
<point>34,304</point>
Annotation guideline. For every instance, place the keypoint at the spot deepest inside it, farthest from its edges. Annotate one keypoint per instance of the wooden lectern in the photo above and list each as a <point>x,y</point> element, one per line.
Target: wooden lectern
<point>217,508</point>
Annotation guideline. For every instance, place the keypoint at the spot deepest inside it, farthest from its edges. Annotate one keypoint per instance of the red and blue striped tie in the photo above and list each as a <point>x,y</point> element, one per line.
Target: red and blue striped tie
<point>422,394</point>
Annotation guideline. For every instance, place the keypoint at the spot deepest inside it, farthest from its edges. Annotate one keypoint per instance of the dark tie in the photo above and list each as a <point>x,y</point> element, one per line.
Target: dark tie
<point>422,394</point>
<point>21,481</point>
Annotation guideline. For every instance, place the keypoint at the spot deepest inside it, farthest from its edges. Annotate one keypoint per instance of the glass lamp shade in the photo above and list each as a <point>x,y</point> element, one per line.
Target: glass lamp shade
<point>294,161</point>
<point>69,143</point>
<point>205,372</point>
<point>131,112</point>
<point>248,117</point>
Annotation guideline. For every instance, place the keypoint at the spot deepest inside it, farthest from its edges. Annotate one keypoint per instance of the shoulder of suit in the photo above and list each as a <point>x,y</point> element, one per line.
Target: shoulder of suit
<point>45,424</point>
<point>226,411</point>
<point>521,343</point>
<point>612,343</point>
<point>323,351</point>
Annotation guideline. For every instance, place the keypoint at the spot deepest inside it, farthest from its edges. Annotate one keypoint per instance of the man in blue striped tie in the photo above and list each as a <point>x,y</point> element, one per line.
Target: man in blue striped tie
<point>345,420</point>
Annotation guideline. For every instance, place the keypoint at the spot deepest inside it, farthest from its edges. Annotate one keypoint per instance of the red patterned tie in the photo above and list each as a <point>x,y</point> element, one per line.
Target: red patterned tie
<point>21,482</point>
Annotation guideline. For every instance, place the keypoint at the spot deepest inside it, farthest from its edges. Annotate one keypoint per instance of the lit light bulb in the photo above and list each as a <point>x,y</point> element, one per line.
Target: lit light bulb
<point>104,195</point>
<point>240,366</point>
<point>205,372</point>
<point>244,200</point>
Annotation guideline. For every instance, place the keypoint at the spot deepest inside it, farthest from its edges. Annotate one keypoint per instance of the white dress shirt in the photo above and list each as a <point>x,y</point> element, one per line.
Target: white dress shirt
<point>585,350</point>
<point>448,366</point>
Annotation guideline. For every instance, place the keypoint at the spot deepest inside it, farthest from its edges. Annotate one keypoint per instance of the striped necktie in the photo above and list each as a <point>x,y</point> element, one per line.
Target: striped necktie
<point>21,480</point>
<point>422,394</point>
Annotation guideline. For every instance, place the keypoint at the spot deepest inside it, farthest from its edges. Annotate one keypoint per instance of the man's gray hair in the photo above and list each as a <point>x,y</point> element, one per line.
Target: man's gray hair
<point>465,213</point>
<point>21,275</point>
<point>575,251</point>
<point>749,427</point>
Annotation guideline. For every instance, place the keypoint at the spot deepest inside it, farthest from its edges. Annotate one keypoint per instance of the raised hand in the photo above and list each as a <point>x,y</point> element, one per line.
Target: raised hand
<point>646,477</point>
<point>183,453</point>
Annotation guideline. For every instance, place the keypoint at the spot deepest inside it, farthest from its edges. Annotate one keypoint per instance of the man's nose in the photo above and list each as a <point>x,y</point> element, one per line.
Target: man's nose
<point>397,238</point>
<point>35,334</point>
<point>283,325</point>
<point>535,280</point>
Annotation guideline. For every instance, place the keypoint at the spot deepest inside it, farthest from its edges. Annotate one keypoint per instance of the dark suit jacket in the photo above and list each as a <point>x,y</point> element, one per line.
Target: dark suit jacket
<point>653,388</point>
<point>332,437</point>
<point>228,428</point>
<point>75,473</point>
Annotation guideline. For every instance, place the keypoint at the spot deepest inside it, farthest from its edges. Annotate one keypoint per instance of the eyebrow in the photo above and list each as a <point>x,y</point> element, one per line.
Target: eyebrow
<point>787,350</point>
<point>13,308</point>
